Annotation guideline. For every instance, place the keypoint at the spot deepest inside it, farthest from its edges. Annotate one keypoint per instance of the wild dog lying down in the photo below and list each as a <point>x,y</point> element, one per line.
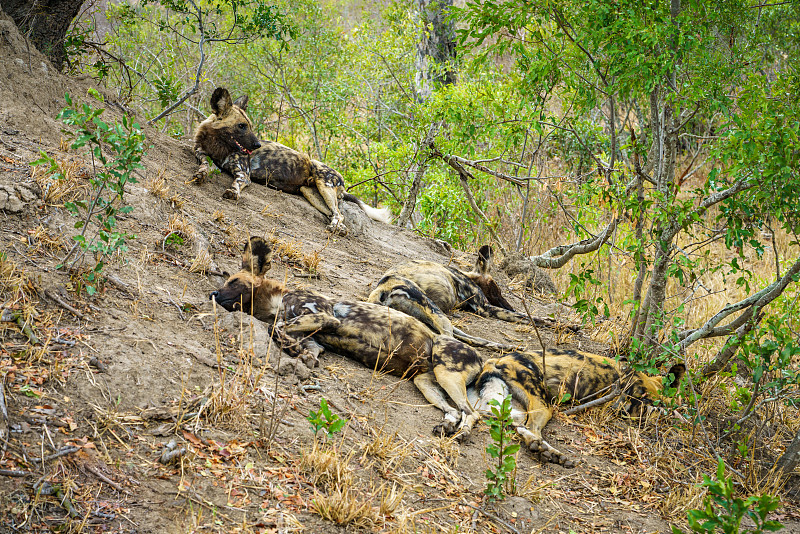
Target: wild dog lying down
<point>580,374</point>
<point>428,291</point>
<point>227,137</point>
<point>381,338</point>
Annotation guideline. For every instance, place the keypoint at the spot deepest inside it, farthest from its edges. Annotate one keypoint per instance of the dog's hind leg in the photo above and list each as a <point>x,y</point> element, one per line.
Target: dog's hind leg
<point>330,185</point>
<point>311,193</point>
<point>427,385</point>
<point>455,365</point>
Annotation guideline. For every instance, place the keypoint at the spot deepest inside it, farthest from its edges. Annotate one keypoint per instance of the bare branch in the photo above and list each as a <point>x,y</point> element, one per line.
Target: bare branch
<point>558,256</point>
<point>411,201</point>
<point>458,162</point>
<point>751,304</point>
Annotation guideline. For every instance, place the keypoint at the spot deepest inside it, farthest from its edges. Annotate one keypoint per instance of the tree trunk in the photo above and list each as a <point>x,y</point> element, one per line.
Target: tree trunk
<point>791,458</point>
<point>436,48</point>
<point>45,23</point>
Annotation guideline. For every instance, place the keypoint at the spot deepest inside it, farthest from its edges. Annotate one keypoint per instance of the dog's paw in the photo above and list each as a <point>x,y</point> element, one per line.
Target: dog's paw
<point>550,454</point>
<point>231,194</point>
<point>337,227</point>
<point>201,175</point>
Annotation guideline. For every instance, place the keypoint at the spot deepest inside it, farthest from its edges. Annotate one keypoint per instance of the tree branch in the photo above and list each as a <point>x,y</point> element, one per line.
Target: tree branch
<point>751,304</point>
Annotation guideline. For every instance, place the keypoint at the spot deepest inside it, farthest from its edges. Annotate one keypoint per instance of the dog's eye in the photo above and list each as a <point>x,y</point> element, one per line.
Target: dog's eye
<point>242,126</point>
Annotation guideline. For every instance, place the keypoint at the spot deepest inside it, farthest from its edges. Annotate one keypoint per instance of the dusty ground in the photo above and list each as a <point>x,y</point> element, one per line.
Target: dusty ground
<point>148,361</point>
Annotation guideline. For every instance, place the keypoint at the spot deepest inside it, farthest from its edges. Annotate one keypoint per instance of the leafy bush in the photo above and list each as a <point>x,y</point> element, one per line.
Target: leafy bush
<point>325,420</point>
<point>97,212</point>
<point>724,511</point>
<point>500,479</point>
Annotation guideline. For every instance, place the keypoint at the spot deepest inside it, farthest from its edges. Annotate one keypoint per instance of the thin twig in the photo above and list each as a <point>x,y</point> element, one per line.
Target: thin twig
<point>107,480</point>
<point>591,404</point>
<point>58,300</point>
<point>12,473</point>
<point>60,453</point>
<point>492,517</point>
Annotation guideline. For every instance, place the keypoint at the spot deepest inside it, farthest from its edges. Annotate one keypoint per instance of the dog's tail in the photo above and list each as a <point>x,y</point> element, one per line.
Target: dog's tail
<point>501,314</point>
<point>376,214</point>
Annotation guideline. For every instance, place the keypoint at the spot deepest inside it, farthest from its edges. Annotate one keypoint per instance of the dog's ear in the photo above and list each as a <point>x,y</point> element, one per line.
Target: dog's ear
<point>257,256</point>
<point>220,102</point>
<point>241,102</point>
<point>484,262</point>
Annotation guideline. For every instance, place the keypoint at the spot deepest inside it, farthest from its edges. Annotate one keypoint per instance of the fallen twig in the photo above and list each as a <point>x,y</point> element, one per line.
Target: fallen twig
<point>52,295</point>
<point>107,480</point>
<point>59,454</point>
<point>12,316</point>
<point>492,517</point>
<point>12,473</point>
<point>4,434</point>
<point>596,402</point>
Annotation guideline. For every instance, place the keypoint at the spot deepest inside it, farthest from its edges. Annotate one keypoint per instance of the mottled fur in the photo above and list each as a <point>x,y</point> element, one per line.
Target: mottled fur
<point>429,291</point>
<point>227,137</point>
<point>580,374</point>
<point>381,338</point>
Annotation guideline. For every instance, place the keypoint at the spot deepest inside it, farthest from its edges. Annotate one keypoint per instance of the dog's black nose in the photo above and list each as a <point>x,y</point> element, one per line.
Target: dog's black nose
<point>213,295</point>
<point>257,145</point>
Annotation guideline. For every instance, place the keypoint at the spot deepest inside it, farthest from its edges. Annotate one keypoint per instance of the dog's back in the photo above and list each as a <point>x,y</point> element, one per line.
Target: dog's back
<point>381,338</point>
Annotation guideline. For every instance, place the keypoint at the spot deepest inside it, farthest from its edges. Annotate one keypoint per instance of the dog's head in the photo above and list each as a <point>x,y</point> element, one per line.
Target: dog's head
<point>640,390</point>
<point>249,290</point>
<point>480,275</point>
<point>229,130</point>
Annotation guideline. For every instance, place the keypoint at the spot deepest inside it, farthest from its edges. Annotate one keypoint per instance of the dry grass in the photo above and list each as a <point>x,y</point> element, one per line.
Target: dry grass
<point>291,252</point>
<point>388,449</point>
<point>70,180</point>
<point>45,240</point>
<point>230,398</point>
<point>344,506</point>
<point>326,467</point>
<point>158,186</point>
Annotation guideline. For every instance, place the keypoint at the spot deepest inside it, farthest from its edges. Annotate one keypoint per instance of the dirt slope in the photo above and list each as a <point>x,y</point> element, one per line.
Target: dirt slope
<point>138,366</point>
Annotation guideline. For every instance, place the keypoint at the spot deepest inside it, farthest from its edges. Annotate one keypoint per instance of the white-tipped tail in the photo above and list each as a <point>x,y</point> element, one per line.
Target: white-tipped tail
<point>376,214</point>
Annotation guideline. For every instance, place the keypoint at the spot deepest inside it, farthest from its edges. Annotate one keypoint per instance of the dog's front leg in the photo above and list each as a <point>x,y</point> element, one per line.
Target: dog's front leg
<point>202,172</point>
<point>239,166</point>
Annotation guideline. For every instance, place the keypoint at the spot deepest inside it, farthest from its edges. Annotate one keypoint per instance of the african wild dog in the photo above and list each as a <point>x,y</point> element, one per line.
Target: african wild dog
<point>227,137</point>
<point>582,375</point>
<point>381,338</point>
<point>428,291</point>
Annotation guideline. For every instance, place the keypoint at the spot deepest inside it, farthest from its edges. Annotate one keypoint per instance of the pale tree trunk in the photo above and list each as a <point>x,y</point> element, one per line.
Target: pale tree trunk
<point>436,48</point>
<point>665,121</point>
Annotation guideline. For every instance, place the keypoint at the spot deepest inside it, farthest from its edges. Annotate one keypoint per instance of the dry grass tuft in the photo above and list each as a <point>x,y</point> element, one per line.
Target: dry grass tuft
<point>344,506</point>
<point>229,398</point>
<point>68,182</point>
<point>326,467</point>
<point>158,187</point>
<point>292,253</point>
<point>202,262</point>
<point>388,449</point>
<point>179,225</point>
<point>46,240</point>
